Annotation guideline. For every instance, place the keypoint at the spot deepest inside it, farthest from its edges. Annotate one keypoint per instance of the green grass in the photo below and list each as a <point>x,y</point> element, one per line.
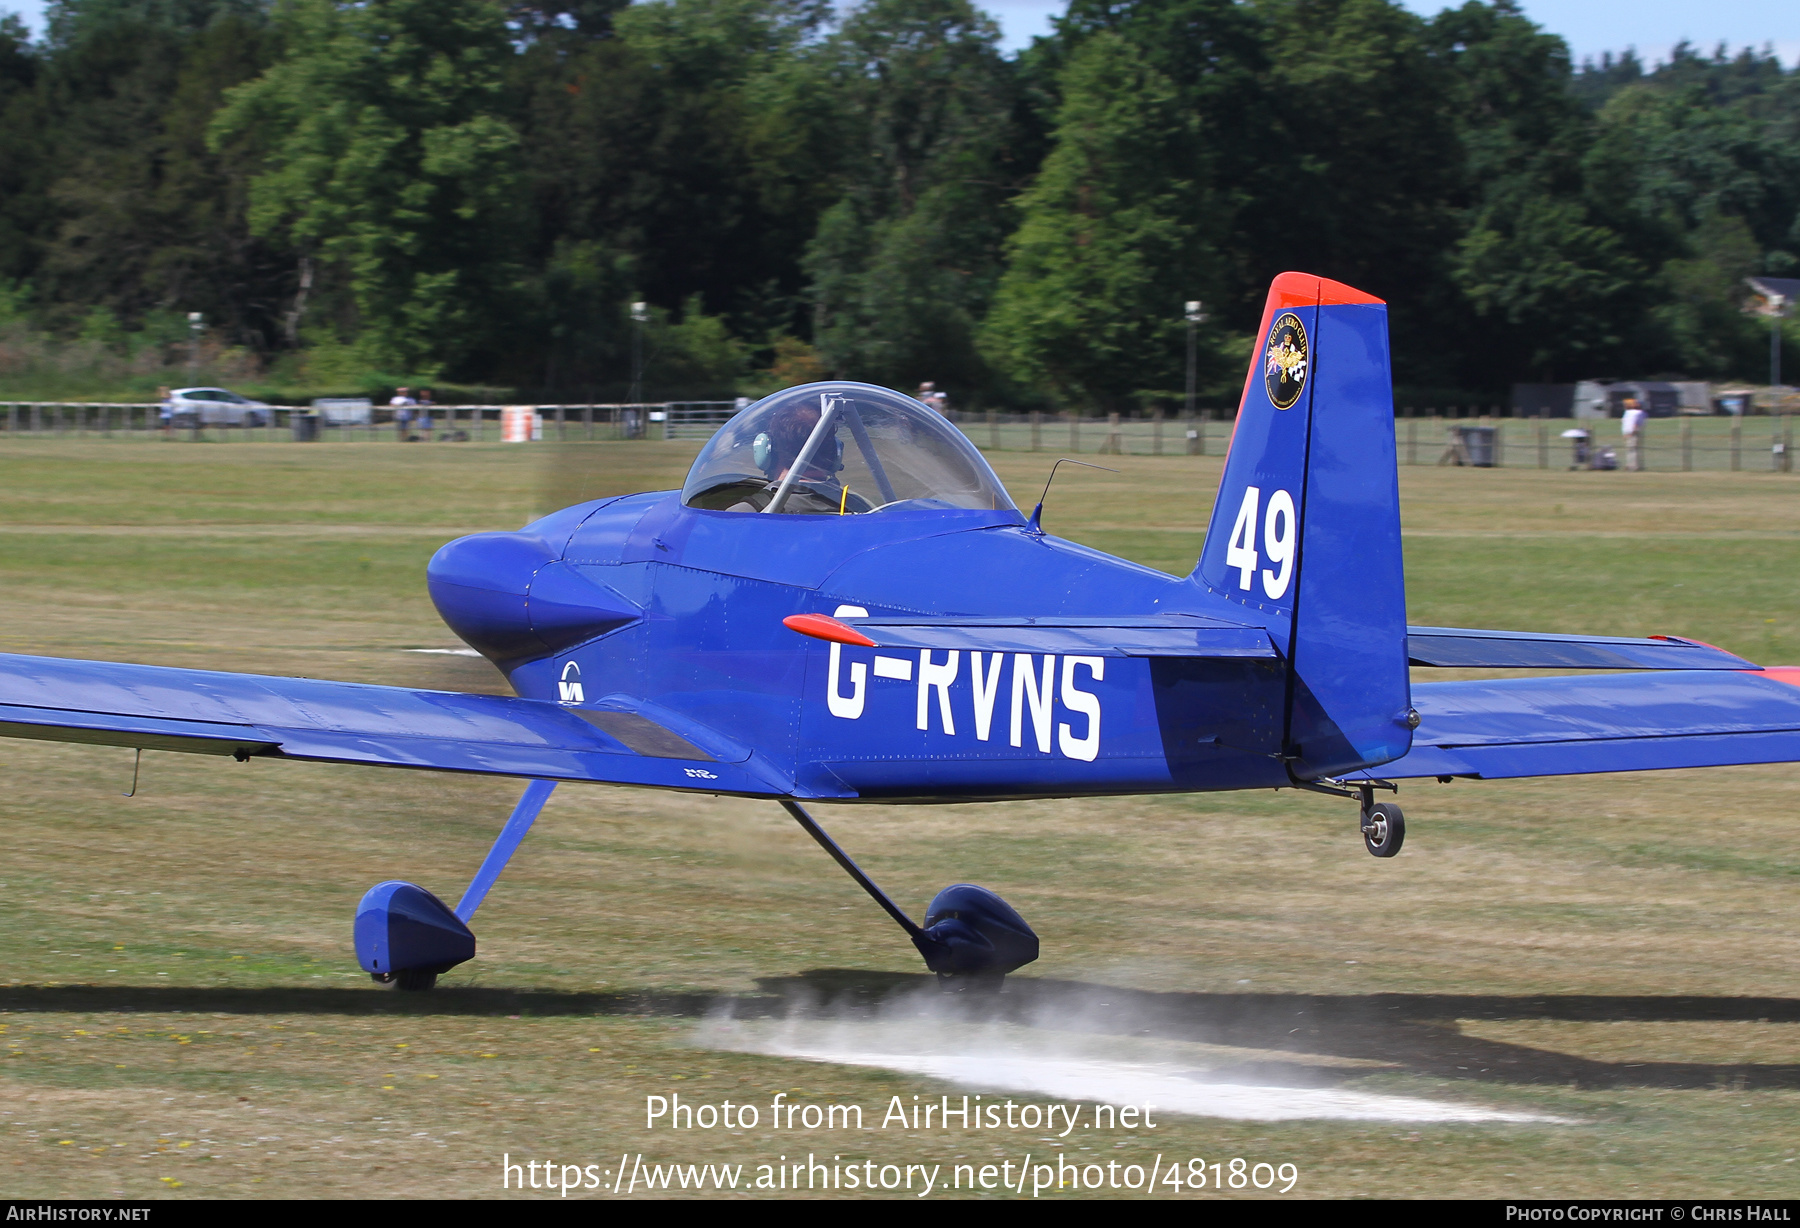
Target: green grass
<point>175,968</point>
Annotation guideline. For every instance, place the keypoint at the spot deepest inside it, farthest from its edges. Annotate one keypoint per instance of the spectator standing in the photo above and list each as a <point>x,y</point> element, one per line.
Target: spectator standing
<point>1632,426</point>
<point>167,410</point>
<point>402,403</point>
<point>423,418</point>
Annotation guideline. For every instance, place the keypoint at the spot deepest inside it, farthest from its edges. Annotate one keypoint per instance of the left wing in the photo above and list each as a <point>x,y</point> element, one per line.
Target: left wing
<point>1611,723</point>
<point>618,740</point>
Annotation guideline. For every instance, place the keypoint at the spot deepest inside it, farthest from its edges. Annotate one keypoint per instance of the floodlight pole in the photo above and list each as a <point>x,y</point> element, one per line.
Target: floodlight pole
<point>1777,309</point>
<point>1195,318</point>
<point>640,316</point>
<point>196,326</point>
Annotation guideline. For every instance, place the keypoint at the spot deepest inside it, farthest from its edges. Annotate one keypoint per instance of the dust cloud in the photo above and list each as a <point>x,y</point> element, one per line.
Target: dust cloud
<point>1080,1043</point>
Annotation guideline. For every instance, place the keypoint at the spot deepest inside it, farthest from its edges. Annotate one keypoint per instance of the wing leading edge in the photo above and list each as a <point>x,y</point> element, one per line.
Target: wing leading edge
<point>617,740</point>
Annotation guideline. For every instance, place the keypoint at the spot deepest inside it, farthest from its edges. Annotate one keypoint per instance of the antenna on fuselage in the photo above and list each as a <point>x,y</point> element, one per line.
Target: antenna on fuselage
<point>1037,513</point>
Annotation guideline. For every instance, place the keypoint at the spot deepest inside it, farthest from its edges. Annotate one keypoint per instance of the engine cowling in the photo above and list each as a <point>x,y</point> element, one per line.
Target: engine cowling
<point>510,598</point>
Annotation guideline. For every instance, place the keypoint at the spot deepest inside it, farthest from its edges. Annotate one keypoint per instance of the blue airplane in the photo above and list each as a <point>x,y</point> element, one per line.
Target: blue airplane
<point>842,604</point>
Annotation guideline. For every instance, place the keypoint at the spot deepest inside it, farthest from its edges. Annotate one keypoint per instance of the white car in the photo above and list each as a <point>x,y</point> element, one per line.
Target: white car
<point>217,407</point>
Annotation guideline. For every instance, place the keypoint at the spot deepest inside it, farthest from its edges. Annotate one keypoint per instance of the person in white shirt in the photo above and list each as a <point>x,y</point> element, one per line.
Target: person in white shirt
<point>402,404</point>
<point>1632,426</point>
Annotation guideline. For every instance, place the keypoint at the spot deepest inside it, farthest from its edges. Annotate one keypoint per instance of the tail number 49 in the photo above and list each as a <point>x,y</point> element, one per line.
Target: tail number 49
<point>1280,541</point>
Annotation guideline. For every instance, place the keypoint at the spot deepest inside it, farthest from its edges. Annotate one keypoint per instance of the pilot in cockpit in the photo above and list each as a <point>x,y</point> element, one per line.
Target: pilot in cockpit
<point>818,487</point>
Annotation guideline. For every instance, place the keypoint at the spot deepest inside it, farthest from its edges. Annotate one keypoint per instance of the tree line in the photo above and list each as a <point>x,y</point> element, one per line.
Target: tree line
<point>477,192</point>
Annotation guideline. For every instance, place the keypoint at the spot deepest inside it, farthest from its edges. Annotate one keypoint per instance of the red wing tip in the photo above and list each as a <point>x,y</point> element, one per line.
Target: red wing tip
<point>825,627</point>
<point>1789,674</point>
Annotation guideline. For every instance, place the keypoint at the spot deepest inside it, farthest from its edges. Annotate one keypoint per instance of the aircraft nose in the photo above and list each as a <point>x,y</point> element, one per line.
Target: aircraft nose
<point>509,598</point>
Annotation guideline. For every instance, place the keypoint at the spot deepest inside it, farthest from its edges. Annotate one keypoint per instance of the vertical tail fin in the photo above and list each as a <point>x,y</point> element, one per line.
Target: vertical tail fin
<point>1305,536</point>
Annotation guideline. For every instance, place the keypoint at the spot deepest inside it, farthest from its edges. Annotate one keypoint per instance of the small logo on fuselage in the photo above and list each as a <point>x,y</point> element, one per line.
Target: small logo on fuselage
<point>568,687</point>
<point>1285,360</point>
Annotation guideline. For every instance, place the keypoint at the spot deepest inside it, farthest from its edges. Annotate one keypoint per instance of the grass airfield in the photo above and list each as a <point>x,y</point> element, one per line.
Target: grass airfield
<point>181,1014</point>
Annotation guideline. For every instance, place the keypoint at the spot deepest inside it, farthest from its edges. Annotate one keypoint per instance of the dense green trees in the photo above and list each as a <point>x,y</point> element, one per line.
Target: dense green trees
<point>1106,245</point>
<point>385,157</point>
<point>477,190</point>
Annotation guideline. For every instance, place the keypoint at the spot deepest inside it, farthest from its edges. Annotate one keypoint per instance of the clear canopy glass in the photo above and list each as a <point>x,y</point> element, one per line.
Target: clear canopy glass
<point>839,449</point>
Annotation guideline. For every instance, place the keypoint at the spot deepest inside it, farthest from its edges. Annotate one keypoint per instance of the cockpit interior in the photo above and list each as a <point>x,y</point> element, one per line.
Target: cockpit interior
<point>840,449</point>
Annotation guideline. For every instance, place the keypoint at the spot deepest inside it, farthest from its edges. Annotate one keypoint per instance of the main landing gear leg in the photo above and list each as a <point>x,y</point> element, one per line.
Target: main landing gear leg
<point>970,937</point>
<point>406,936</point>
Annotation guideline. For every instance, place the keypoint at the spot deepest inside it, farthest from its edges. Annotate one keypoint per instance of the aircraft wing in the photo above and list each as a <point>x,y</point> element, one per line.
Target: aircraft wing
<point>1609,723</point>
<point>615,741</point>
<point>1151,635</point>
<point>1459,646</point>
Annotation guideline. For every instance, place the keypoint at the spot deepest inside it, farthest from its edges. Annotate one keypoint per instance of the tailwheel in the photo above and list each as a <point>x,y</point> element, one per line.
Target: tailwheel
<point>1383,829</point>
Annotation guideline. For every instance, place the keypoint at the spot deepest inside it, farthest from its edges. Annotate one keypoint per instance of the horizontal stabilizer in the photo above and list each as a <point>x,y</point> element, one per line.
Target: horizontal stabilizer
<point>1457,646</point>
<point>1624,723</point>
<point>615,740</point>
<point>1152,635</point>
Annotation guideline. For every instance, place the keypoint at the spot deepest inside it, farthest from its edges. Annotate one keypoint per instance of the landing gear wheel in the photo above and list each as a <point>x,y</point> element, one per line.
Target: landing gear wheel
<point>1383,829</point>
<point>414,980</point>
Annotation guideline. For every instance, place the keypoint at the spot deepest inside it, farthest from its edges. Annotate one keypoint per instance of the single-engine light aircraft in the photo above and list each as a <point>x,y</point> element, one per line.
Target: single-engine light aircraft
<point>842,604</point>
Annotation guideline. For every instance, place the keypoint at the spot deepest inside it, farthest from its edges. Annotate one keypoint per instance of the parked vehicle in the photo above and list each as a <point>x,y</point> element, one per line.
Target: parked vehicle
<point>217,407</point>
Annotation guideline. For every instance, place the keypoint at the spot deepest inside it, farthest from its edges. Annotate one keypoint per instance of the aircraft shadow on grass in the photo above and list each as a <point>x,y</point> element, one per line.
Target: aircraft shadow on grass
<point>1414,1034</point>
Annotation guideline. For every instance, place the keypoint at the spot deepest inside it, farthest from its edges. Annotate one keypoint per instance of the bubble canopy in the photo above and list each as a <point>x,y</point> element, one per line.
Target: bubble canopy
<point>840,449</point>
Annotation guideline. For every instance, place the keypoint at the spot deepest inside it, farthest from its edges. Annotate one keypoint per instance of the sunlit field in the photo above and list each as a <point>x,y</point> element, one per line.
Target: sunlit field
<point>1605,966</point>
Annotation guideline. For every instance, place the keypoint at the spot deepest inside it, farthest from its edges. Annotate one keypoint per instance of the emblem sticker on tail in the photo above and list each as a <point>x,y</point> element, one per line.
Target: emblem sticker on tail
<point>1285,360</point>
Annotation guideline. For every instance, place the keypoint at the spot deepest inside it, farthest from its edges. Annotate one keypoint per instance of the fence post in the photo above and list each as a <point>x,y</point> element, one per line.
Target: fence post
<point>1499,424</point>
<point>993,417</point>
<point>1112,444</point>
<point>1037,430</point>
<point>1156,421</point>
<point>1074,431</point>
<point>1543,441</point>
<point>1687,445</point>
<point>1787,444</point>
<point>1737,442</point>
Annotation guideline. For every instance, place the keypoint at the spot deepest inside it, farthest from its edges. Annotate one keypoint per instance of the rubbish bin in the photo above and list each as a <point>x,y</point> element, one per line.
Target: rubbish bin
<point>306,427</point>
<point>1477,445</point>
